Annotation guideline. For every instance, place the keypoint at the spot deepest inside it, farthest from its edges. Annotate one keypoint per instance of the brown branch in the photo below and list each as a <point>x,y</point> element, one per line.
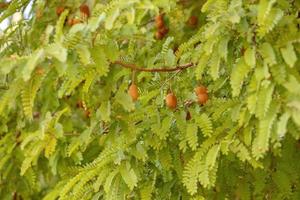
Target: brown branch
<point>165,69</point>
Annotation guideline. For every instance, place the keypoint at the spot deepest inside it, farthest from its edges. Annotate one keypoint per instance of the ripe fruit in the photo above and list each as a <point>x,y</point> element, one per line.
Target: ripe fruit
<point>200,90</point>
<point>59,10</point>
<point>202,98</point>
<point>159,21</point>
<point>159,35</point>
<point>84,9</point>
<point>133,92</point>
<point>193,21</point>
<point>171,101</point>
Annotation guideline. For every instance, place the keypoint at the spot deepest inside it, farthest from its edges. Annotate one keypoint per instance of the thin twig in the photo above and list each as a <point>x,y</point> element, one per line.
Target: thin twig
<point>165,69</point>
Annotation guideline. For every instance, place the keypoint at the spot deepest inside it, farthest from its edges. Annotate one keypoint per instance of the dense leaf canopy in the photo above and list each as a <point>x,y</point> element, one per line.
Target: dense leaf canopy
<point>142,99</point>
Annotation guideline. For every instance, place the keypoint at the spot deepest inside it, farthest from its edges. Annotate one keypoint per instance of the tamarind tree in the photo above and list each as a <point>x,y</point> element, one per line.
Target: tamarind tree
<point>142,99</point>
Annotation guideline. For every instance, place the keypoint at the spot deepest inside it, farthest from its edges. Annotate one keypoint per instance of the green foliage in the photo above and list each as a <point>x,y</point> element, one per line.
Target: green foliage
<point>69,129</point>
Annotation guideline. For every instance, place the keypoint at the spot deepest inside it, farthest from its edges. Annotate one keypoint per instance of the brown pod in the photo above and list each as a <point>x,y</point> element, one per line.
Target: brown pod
<point>84,9</point>
<point>164,30</point>
<point>133,92</point>
<point>159,35</point>
<point>200,90</point>
<point>171,101</point>
<point>159,21</point>
<point>59,10</point>
<point>193,21</point>
<point>202,98</point>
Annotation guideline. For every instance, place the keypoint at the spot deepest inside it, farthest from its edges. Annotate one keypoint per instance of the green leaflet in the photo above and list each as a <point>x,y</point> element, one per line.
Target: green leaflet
<point>205,124</point>
<point>31,157</point>
<point>201,66</point>
<point>109,180</point>
<point>198,197</point>
<point>83,54</point>
<point>95,21</point>
<point>249,57</point>
<point>58,37</point>
<point>292,85</point>
<point>128,175</point>
<point>37,57</point>
<point>51,143</point>
<point>165,158</point>
<point>282,124</point>
<point>57,51</point>
<point>28,95</point>
<point>264,100</point>
<point>166,45</point>
<point>215,66</point>
<point>203,176</point>
<point>162,130</point>
<point>289,55</point>
<point>296,116</point>
<point>197,170</point>
<point>207,5</point>
<point>211,156</point>
<point>104,111</point>
<point>223,48</point>
<point>239,73</point>
<point>100,59</point>
<point>9,95</point>
<point>146,192</point>
<point>8,64</point>
<point>261,141</point>
<point>90,75</point>
<point>264,8</point>
<point>268,53</point>
<point>111,51</point>
<point>190,175</point>
<point>101,178</point>
<point>191,134</point>
<point>111,18</point>
<point>125,100</point>
<point>270,22</point>
<point>279,73</point>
